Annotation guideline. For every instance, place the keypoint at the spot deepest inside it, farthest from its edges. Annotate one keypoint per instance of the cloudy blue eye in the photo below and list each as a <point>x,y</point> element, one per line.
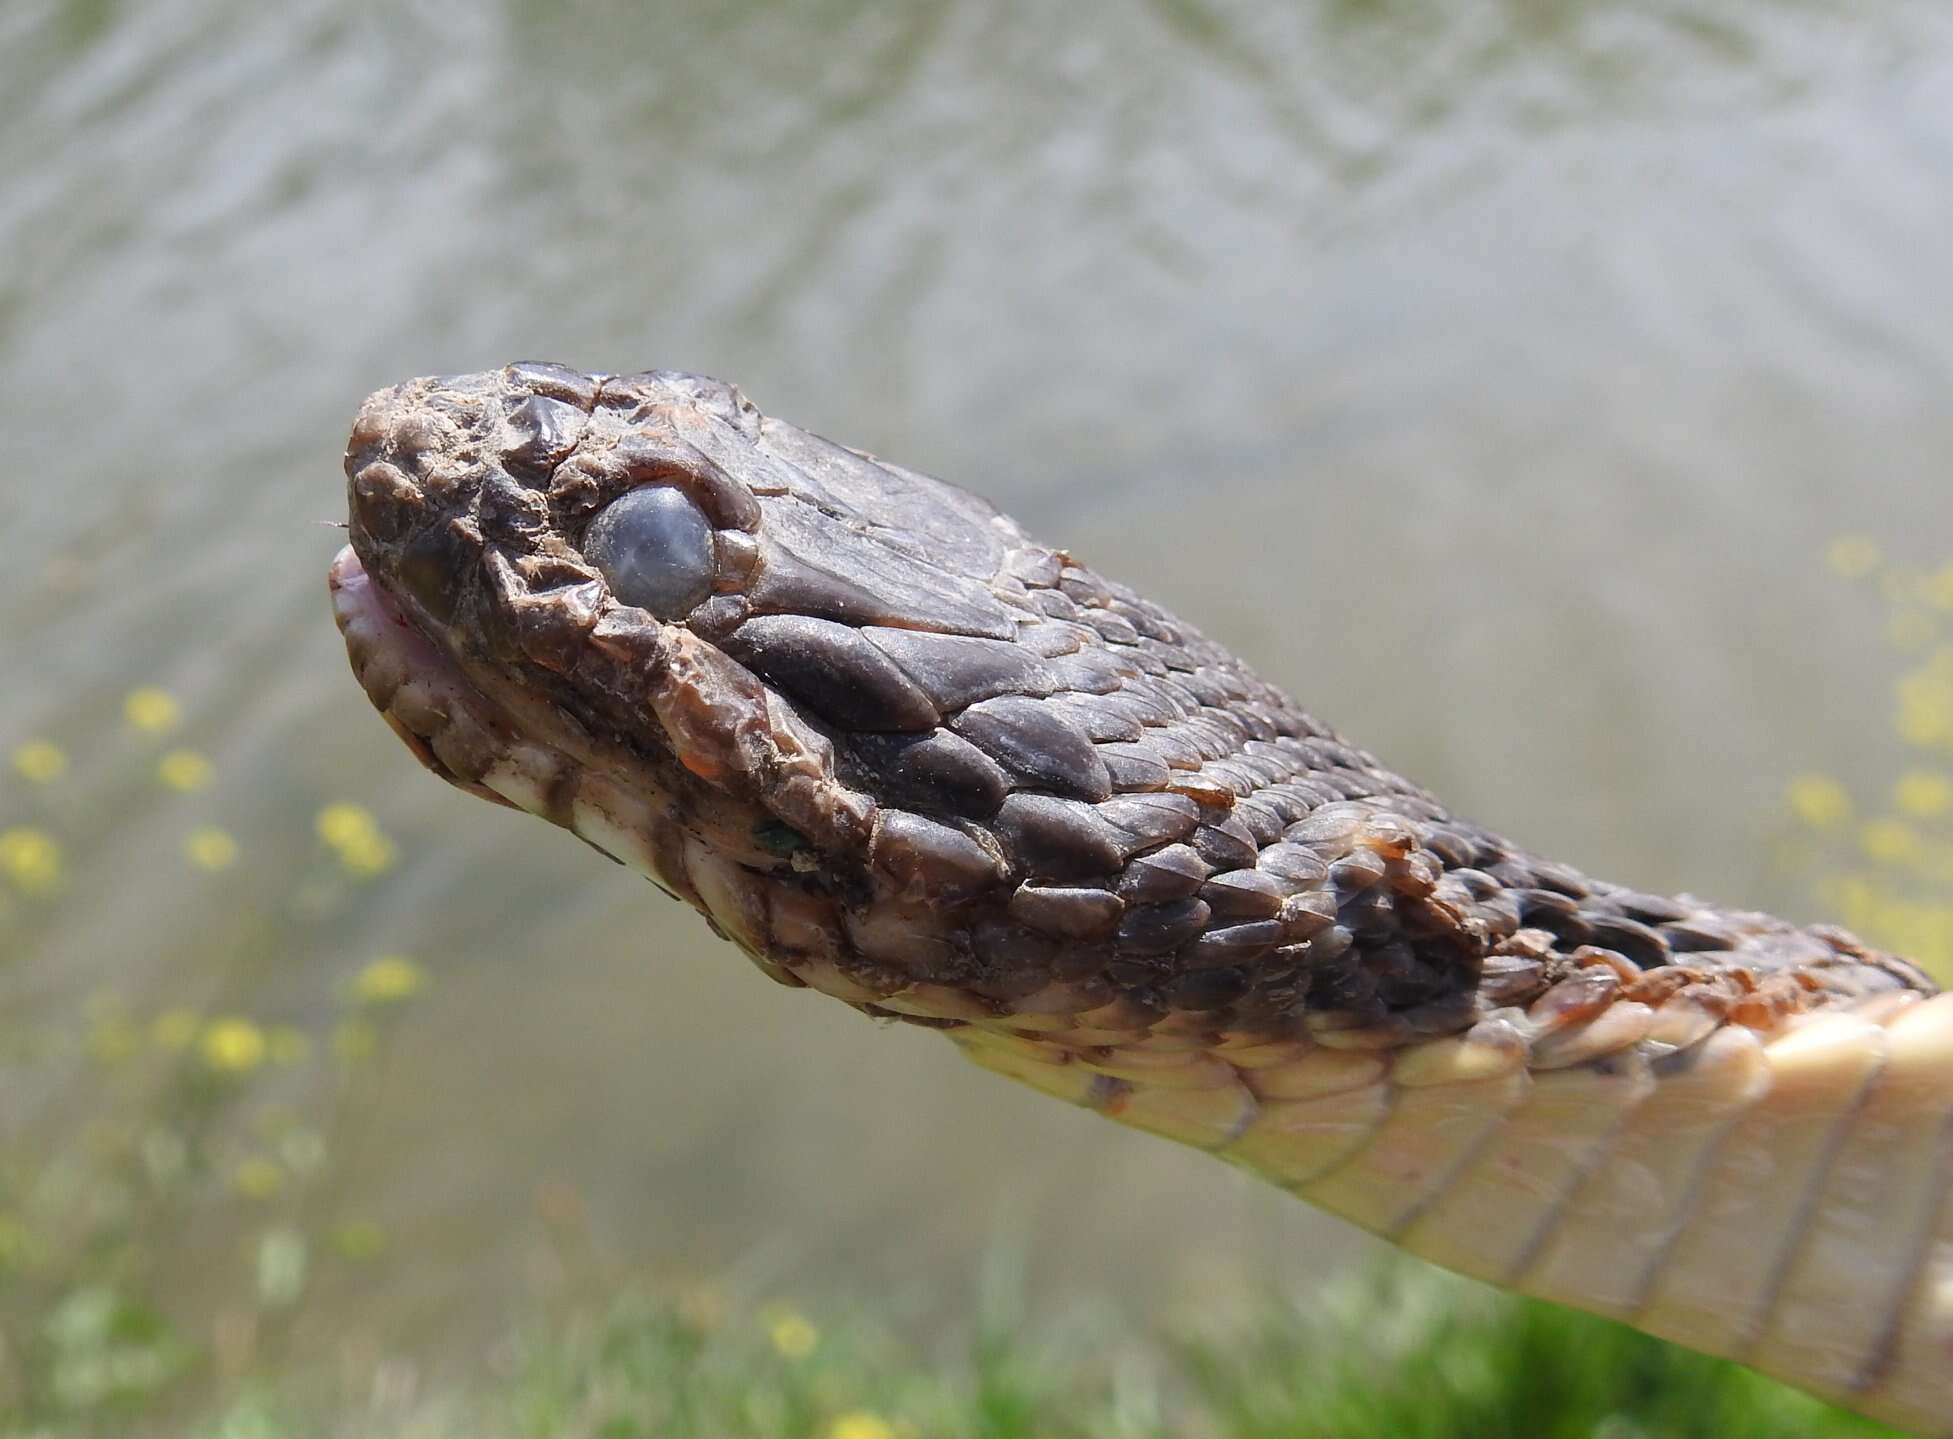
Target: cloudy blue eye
<point>654,549</point>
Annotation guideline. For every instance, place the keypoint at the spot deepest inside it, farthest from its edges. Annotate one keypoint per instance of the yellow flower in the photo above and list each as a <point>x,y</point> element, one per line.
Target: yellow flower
<point>257,1177</point>
<point>151,710</point>
<point>40,761</point>
<point>233,1046</point>
<point>792,1334</point>
<point>185,770</point>
<point>1925,706</point>
<point>358,1239</point>
<point>1818,800</point>
<point>174,1030</point>
<point>1852,557</point>
<point>1923,792</point>
<point>860,1424</point>
<point>210,848</point>
<point>369,856</point>
<point>30,858</point>
<point>355,835</point>
<point>345,823</point>
<point>389,979</point>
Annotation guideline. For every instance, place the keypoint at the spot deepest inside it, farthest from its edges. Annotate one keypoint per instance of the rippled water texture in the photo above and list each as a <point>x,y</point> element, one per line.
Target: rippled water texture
<point>1494,376</point>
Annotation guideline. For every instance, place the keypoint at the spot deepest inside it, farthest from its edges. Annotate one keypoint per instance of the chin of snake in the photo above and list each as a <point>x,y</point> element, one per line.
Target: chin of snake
<point>902,754</point>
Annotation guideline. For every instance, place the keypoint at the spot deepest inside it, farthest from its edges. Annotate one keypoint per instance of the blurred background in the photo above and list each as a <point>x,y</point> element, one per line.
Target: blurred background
<point>1553,395</point>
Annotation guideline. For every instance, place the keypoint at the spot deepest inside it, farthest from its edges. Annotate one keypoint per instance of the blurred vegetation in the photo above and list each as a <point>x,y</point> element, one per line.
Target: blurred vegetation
<point>175,1130</point>
<point>1881,862</point>
<point>1403,1353</point>
<point>182,1123</point>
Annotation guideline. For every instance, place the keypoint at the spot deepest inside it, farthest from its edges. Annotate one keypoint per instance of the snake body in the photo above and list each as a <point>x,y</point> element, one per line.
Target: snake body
<point>901,753</point>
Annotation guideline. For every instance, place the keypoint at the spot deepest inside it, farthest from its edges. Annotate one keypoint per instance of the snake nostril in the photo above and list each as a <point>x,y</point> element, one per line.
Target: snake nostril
<point>436,565</point>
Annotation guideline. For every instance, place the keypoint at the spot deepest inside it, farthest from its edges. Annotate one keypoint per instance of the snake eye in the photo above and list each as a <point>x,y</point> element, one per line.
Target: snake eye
<point>655,550</point>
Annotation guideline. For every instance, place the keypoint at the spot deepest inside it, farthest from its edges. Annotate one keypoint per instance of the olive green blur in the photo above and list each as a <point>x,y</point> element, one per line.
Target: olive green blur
<point>1553,395</point>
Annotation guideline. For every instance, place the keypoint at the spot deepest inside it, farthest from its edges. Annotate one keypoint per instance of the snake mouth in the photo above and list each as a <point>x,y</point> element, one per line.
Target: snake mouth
<point>499,747</point>
<point>417,688</point>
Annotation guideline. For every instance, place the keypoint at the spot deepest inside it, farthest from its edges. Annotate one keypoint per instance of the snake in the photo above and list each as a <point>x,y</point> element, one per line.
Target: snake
<point>899,752</point>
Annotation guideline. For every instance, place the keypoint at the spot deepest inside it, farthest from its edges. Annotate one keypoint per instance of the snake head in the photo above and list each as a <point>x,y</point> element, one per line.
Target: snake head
<point>837,705</point>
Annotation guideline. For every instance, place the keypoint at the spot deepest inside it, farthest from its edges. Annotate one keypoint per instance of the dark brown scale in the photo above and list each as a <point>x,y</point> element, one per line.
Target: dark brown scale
<point>1036,567</point>
<point>834,671</point>
<point>1292,864</point>
<point>1570,927</point>
<point>1146,619</point>
<point>1049,641</point>
<point>1499,914</point>
<point>1162,928</point>
<point>1332,827</point>
<point>1225,845</point>
<point>1357,871</point>
<point>1133,767</point>
<point>1174,747</point>
<point>1092,671</point>
<point>1236,943</point>
<point>938,772</point>
<point>1152,819</point>
<point>1037,744</point>
<point>1698,933</point>
<point>1263,721</point>
<point>1305,916</point>
<point>1006,944</point>
<point>1155,691</point>
<point>1055,603</point>
<point>932,861</point>
<point>1175,872</point>
<point>1510,979</point>
<point>1113,628</point>
<point>1080,914</point>
<point>1053,838</point>
<point>1626,936</point>
<point>1164,658</point>
<point>956,671</point>
<point>1261,820</point>
<point>1206,989</point>
<point>1349,783</point>
<point>1129,704</point>
<point>1244,894</point>
<point>1652,909</point>
<point>1098,719</point>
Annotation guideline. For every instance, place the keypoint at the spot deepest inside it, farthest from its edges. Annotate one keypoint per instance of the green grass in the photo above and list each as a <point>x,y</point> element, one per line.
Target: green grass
<point>1400,1354</point>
